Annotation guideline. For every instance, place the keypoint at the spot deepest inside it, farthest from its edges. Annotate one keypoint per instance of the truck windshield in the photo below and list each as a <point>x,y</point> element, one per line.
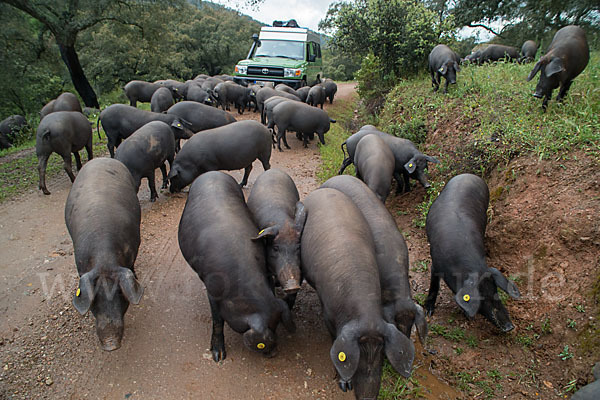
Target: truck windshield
<point>280,48</point>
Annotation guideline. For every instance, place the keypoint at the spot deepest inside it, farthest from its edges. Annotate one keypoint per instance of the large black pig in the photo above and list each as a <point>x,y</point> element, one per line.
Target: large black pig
<point>145,150</point>
<point>455,228</point>
<point>276,206</point>
<point>215,237</point>
<point>443,62</point>
<point>392,257</point>
<point>409,161</point>
<point>103,214</point>
<point>62,132</point>
<point>120,121</point>
<point>374,162</point>
<point>229,147</point>
<point>567,57</point>
<point>338,259</point>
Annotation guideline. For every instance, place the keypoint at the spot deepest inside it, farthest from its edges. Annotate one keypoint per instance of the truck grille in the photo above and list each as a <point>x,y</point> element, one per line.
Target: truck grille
<point>260,71</point>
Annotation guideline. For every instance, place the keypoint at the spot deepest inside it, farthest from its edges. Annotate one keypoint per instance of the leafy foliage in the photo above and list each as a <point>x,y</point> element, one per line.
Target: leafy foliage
<point>160,40</point>
<point>397,35</point>
<point>531,18</point>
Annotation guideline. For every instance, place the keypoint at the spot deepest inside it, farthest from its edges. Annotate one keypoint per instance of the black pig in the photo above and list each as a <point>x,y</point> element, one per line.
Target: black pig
<point>338,259</point>
<point>443,62</point>
<point>392,257</point>
<point>455,229</point>
<point>567,57</point>
<point>276,206</point>
<point>145,150</point>
<point>103,214</point>
<point>215,234</point>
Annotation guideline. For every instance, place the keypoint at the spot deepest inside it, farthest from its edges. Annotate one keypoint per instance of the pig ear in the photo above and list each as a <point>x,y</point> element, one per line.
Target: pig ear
<point>267,233</point>
<point>399,350</point>
<point>332,120</point>
<point>286,316</point>
<point>345,352</point>
<point>173,173</point>
<point>131,288</point>
<point>456,67</point>
<point>432,159</point>
<point>410,166</point>
<point>443,69</point>
<point>84,295</point>
<point>505,284</point>
<point>468,299</point>
<point>554,67</point>
<point>420,323</point>
<point>535,70</point>
<point>300,217</point>
<point>177,124</point>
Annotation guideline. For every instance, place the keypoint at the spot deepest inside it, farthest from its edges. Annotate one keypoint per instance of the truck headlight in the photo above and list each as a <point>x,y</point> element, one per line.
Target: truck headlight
<point>241,69</point>
<point>292,73</point>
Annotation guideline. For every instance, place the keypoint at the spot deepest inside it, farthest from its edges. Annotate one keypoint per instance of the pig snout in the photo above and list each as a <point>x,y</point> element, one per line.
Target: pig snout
<point>538,95</point>
<point>508,326</point>
<point>109,332</point>
<point>289,278</point>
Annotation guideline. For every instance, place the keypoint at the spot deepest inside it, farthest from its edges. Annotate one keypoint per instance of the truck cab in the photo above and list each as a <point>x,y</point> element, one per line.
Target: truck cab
<point>282,53</point>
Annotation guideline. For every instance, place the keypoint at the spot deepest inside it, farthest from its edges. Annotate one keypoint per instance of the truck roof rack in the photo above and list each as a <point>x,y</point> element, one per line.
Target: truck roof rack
<point>286,24</point>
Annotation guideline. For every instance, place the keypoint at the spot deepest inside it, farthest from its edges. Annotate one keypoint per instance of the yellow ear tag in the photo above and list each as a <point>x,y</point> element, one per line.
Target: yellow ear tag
<point>466,298</point>
<point>78,292</point>
<point>178,125</point>
<point>260,233</point>
<point>410,165</point>
<point>260,346</point>
<point>342,356</point>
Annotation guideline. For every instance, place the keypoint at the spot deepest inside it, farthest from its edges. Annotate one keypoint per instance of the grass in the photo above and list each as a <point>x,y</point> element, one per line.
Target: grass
<point>506,119</point>
<point>396,387</point>
<point>20,173</point>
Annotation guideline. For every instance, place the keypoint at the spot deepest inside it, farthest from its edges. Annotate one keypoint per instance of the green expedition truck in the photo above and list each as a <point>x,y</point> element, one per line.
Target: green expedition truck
<point>282,53</point>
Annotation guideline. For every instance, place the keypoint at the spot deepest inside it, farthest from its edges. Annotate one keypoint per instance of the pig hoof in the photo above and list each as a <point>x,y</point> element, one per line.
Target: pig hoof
<point>45,191</point>
<point>219,354</point>
<point>287,147</point>
<point>153,199</point>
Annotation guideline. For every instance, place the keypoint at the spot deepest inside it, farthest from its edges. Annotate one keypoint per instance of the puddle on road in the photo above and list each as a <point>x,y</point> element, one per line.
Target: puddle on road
<point>432,387</point>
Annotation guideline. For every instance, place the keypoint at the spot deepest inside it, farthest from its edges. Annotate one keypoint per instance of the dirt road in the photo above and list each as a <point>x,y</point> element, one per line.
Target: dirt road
<point>48,351</point>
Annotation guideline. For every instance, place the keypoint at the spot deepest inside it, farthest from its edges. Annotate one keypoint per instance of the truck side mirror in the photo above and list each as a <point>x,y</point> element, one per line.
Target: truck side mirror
<point>255,37</point>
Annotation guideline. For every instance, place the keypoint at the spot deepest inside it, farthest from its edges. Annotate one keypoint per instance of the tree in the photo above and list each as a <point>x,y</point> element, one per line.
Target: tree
<point>66,19</point>
<point>399,33</point>
<point>539,15</point>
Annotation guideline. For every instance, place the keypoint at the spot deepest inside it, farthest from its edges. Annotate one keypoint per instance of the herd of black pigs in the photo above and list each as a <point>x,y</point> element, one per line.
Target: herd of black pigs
<point>341,238</point>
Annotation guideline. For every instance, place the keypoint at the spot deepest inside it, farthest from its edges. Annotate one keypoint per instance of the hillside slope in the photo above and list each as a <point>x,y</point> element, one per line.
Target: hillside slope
<point>543,172</point>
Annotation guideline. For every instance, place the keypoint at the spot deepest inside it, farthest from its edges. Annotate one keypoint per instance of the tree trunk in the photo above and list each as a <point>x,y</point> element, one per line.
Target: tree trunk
<point>81,83</point>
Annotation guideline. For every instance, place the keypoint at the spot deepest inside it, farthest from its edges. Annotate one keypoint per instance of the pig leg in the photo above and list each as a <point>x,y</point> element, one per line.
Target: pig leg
<point>111,147</point>
<point>246,175</point>
<point>42,172</point>
<point>290,299</point>
<point>67,166</point>
<point>406,182</point>
<point>434,288</point>
<point>305,140</point>
<point>280,135</point>
<point>217,340</point>
<point>77,160</point>
<point>445,86</point>
<point>152,184</point>
<point>89,149</point>
<point>163,169</point>
<point>285,142</point>
<point>563,91</point>
<point>265,162</point>
<point>399,184</point>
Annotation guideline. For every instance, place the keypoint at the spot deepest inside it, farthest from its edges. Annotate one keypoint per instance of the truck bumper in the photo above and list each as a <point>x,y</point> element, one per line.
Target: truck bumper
<point>245,81</point>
